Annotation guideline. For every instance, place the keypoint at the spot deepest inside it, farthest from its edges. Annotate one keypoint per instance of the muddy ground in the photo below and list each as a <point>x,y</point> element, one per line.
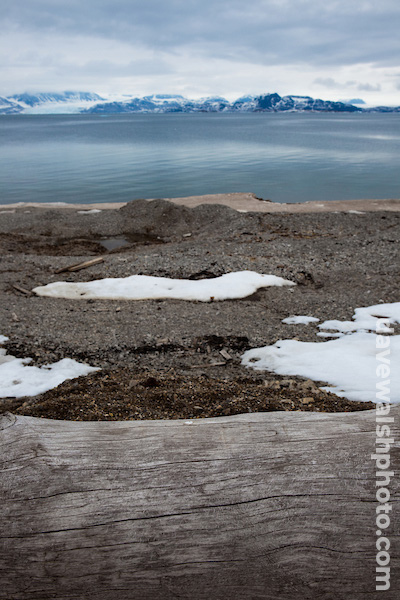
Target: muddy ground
<point>178,359</point>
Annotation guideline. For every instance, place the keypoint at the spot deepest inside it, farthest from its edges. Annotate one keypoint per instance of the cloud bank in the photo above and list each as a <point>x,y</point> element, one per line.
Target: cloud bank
<point>201,48</point>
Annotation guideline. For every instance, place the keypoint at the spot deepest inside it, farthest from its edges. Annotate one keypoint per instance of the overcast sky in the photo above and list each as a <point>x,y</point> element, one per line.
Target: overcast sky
<point>338,49</point>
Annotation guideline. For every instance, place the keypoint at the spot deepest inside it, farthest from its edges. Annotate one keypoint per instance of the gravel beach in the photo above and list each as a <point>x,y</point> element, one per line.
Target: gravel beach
<point>182,359</point>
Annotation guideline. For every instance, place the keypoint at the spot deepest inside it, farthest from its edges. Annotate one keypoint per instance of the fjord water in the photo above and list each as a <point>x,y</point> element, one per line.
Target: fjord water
<point>284,157</point>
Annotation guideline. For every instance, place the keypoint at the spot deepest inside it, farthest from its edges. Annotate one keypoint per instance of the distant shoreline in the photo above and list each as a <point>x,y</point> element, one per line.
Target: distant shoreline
<point>242,202</point>
<point>93,103</point>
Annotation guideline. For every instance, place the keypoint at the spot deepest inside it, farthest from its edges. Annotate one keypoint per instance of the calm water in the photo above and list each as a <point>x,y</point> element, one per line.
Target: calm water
<point>284,157</point>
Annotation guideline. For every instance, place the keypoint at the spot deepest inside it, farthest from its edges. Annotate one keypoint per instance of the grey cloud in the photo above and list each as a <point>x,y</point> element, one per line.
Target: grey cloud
<point>264,32</point>
<point>367,87</point>
<point>332,84</point>
<point>110,69</point>
<point>327,82</point>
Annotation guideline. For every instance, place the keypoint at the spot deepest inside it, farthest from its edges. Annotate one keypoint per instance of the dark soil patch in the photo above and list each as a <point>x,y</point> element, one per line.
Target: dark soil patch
<point>52,246</point>
<point>43,245</point>
<point>123,394</point>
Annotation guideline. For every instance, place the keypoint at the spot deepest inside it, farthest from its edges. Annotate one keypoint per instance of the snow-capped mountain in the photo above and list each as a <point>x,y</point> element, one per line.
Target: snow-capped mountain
<point>276,103</point>
<point>90,103</point>
<point>266,103</point>
<point>162,103</point>
<point>383,109</point>
<point>8,107</point>
<point>53,103</point>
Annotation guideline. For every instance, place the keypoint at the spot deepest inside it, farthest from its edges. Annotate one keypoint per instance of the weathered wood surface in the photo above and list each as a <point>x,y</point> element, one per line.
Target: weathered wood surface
<point>258,506</point>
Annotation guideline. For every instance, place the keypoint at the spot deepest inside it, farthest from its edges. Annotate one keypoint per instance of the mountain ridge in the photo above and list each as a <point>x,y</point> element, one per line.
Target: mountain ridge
<point>91,103</point>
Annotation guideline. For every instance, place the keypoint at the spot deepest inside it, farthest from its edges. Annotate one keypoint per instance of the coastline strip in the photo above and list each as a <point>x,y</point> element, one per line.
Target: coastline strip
<point>242,202</point>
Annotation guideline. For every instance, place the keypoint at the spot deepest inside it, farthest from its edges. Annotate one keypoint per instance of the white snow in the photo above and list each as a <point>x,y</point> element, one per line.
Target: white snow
<point>299,320</point>
<point>17,379</point>
<point>349,364</point>
<point>364,319</point>
<point>60,108</point>
<point>325,334</point>
<point>140,287</point>
<point>89,212</point>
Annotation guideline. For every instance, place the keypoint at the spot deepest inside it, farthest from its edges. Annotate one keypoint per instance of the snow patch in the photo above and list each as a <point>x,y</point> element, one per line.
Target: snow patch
<point>299,320</point>
<point>17,379</point>
<point>347,363</point>
<point>143,287</point>
<point>325,334</point>
<point>365,318</point>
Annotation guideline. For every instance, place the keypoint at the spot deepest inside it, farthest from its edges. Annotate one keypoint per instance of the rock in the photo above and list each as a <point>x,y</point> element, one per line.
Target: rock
<point>307,400</point>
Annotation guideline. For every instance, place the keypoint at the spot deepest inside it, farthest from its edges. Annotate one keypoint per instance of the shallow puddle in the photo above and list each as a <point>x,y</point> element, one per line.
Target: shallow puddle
<point>120,241</point>
<point>114,243</point>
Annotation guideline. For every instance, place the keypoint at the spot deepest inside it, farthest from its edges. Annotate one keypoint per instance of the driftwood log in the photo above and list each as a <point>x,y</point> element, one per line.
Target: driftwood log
<point>257,506</point>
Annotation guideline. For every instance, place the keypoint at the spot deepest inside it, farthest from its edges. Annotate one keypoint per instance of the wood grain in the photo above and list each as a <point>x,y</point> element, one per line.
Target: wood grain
<point>267,505</point>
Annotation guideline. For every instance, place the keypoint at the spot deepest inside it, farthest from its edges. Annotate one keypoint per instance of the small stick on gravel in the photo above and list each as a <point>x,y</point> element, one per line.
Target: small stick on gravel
<point>81,265</point>
<point>216,364</point>
<point>23,290</point>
